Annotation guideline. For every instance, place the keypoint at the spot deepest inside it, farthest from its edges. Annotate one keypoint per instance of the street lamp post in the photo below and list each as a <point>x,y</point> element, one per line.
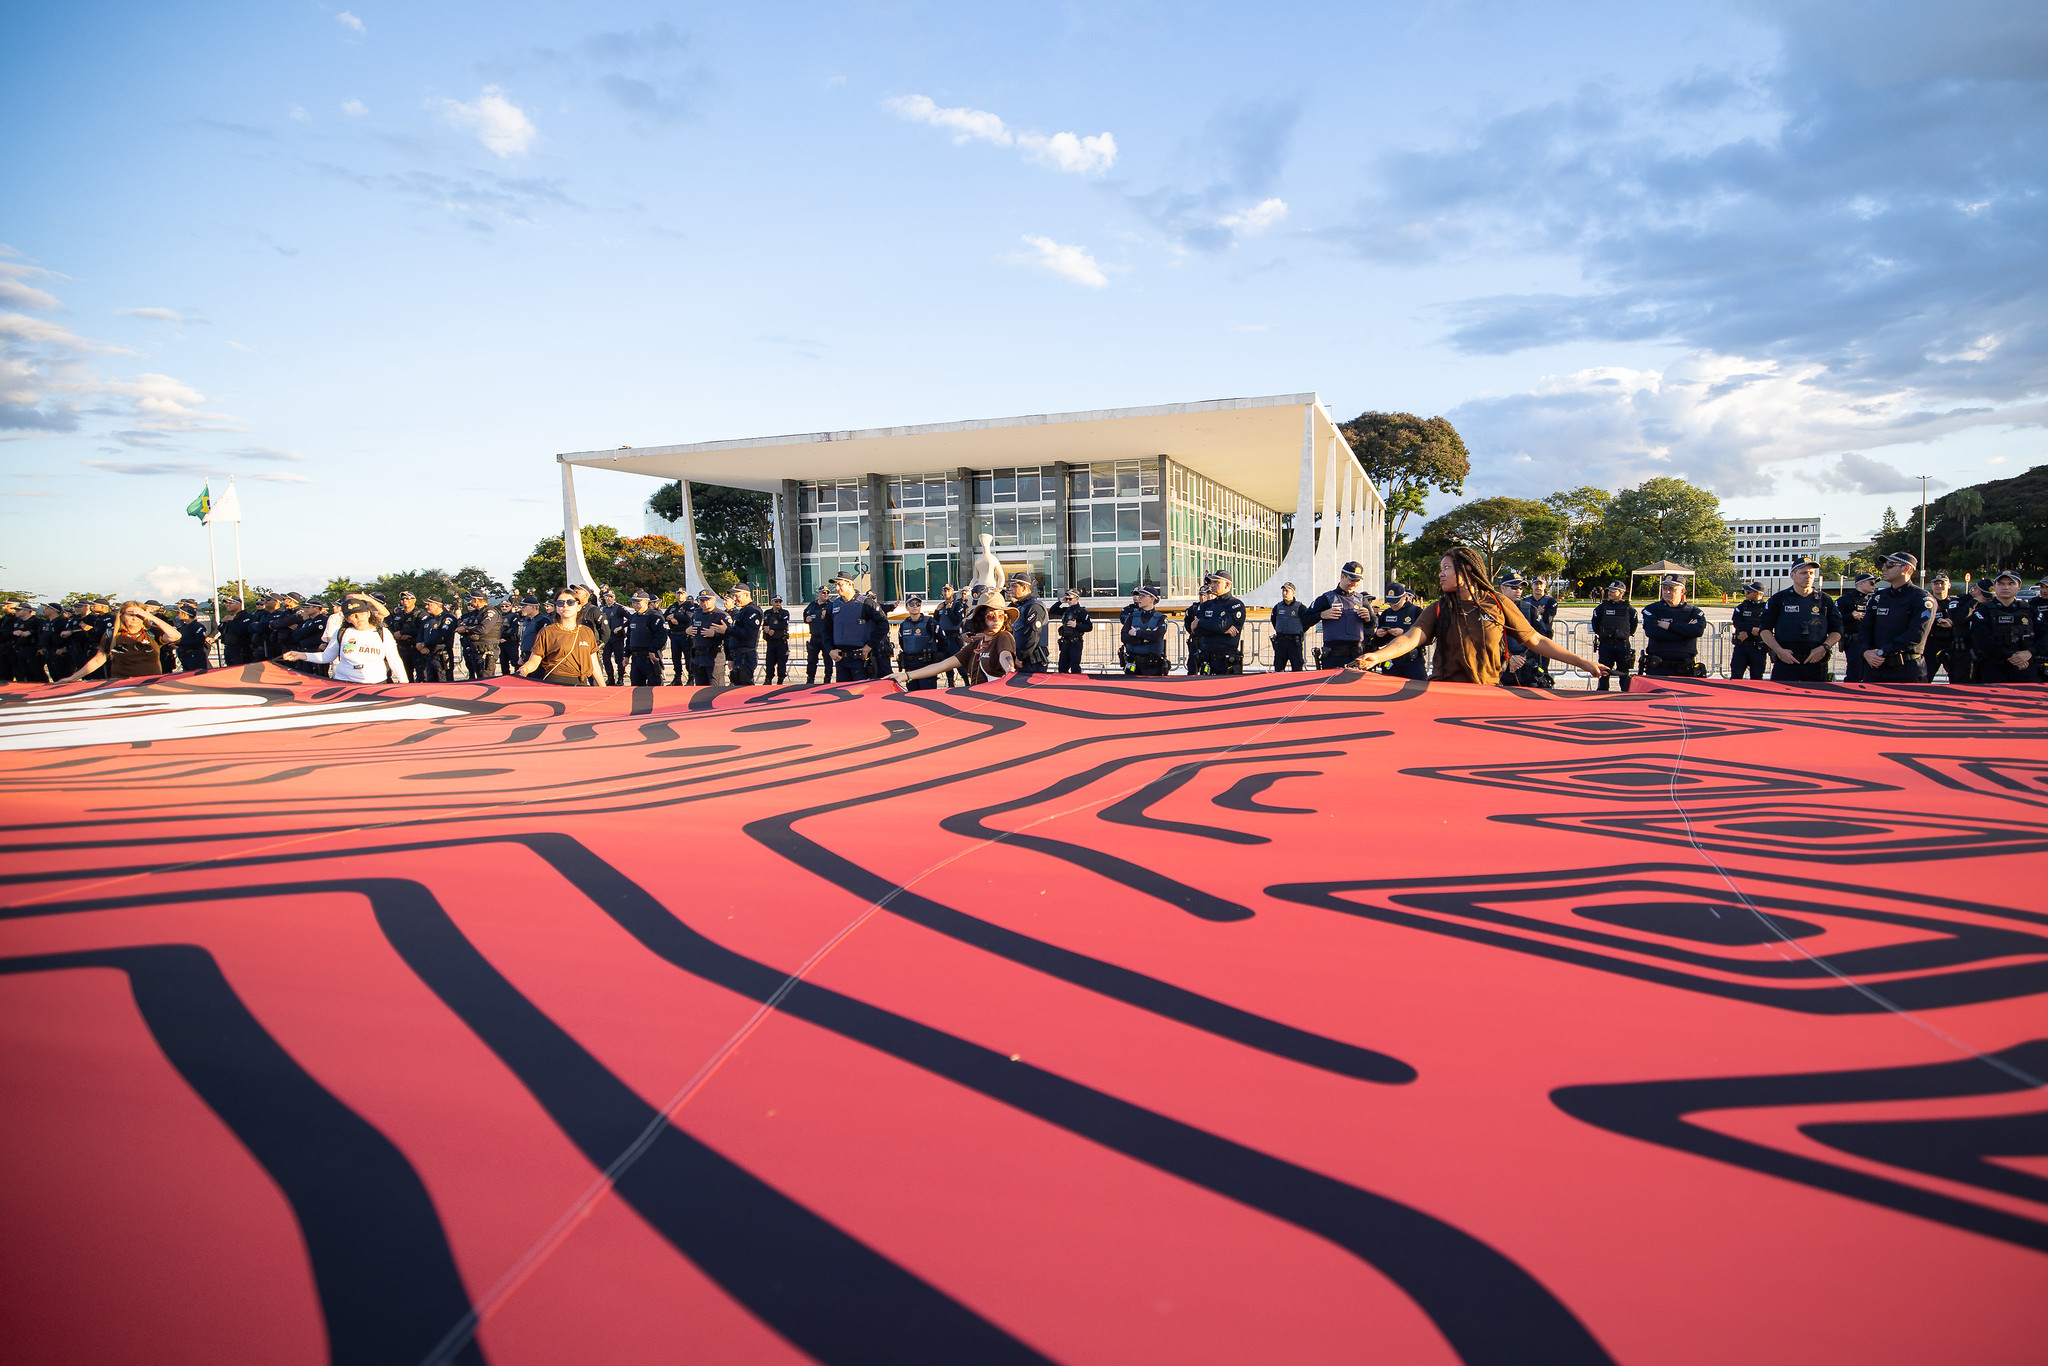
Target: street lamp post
<point>1923,528</point>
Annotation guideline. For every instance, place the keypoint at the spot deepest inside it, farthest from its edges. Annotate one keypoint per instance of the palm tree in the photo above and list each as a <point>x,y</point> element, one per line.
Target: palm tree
<point>1996,540</point>
<point>1962,505</point>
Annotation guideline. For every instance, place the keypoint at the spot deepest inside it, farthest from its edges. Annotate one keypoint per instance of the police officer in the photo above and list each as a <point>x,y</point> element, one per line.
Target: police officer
<point>1672,628</point>
<point>708,622</point>
<point>1029,629</point>
<point>1216,629</point>
<point>675,625</point>
<point>849,627</point>
<point>642,635</point>
<point>775,642</point>
<point>817,621</point>
<point>1539,608</point>
<point>1614,634</point>
<point>56,659</point>
<point>1948,635</point>
<point>1746,658</point>
<point>1074,625</point>
<point>309,636</point>
<point>434,644</point>
<point>917,641</point>
<point>1346,618</point>
<point>481,631</point>
<point>1401,612</point>
<point>530,623</point>
<point>404,625</point>
<point>1142,639</point>
<point>1289,622</point>
<point>195,639</point>
<point>1799,626</point>
<point>2007,635</point>
<point>508,639</point>
<point>25,645</point>
<point>743,638</point>
<point>1895,625</point>
<point>951,618</point>
<point>1853,602</point>
<point>614,618</point>
<point>2040,606</point>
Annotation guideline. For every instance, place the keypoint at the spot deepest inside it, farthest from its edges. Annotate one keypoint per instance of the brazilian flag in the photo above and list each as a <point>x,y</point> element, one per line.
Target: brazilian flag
<point>203,504</point>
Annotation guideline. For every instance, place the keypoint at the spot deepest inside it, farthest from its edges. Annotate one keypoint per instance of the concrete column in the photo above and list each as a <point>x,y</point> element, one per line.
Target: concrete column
<point>693,570</point>
<point>1165,584</point>
<point>1060,546</point>
<point>1298,565</point>
<point>1326,543</point>
<point>878,530</point>
<point>789,578</point>
<point>572,532</point>
<point>963,530</point>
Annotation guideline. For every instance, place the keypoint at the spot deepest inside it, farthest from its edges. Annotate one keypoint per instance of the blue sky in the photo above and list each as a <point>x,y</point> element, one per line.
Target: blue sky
<point>381,263</point>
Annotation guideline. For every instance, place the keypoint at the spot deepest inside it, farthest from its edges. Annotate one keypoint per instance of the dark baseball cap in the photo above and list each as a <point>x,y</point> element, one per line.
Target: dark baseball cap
<point>1351,569</point>
<point>2007,574</point>
<point>1756,585</point>
<point>1806,564</point>
<point>1396,590</point>
<point>1866,577</point>
<point>1904,557</point>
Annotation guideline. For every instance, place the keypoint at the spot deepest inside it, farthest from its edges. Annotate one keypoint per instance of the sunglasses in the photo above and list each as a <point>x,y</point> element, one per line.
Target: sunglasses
<point>565,602</point>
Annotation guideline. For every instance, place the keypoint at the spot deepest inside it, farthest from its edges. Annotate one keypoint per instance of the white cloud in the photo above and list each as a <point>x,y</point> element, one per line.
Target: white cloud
<point>500,125</point>
<point>355,109</point>
<point>1067,262</point>
<point>266,453</point>
<point>278,477</point>
<point>1255,220</point>
<point>173,581</point>
<point>350,22</point>
<point>237,346</point>
<point>298,112</point>
<point>1855,473</point>
<point>1065,152</point>
<point>155,315</point>
<point>1069,152</point>
<point>16,292</point>
<point>1727,422</point>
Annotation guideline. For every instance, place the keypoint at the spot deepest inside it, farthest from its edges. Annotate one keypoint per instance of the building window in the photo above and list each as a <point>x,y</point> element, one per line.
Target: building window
<point>1115,527</point>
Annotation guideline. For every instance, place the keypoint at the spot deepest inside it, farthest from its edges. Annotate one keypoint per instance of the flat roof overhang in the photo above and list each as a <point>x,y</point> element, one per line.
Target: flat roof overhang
<point>1250,445</point>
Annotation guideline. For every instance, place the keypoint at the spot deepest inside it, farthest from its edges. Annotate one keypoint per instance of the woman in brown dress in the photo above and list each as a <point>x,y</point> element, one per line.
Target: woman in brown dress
<point>132,646</point>
<point>564,651</point>
<point>1468,624</point>
<point>987,651</point>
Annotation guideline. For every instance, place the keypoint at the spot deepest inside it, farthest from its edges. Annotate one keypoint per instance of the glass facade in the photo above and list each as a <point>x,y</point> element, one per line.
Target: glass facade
<point>1122,529</point>
<point>1115,528</point>
<point>1215,528</point>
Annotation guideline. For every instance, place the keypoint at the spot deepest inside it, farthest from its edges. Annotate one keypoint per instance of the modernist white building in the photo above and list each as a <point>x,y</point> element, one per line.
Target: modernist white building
<point>1095,501</point>
<point>1766,548</point>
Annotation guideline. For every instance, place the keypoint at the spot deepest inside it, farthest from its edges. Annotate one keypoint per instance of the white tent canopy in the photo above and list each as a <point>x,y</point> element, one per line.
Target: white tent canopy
<point>1282,451</point>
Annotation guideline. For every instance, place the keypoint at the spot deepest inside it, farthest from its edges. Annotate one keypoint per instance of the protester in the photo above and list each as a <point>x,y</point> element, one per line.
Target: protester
<point>565,651</point>
<point>1467,624</point>
<point>132,646</point>
<point>987,652</point>
<point>363,650</point>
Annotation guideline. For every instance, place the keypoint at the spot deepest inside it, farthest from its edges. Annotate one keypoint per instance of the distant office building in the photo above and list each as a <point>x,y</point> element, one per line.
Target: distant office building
<point>1767,548</point>
<point>1098,501</point>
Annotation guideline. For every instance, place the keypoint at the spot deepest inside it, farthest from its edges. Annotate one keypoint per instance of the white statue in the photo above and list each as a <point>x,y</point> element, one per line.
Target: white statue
<point>987,576</point>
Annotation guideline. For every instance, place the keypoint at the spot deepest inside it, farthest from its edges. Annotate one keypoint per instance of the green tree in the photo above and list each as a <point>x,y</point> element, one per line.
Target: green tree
<point>1996,541</point>
<point>1667,519</point>
<point>1583,510</point>
<point>1833,567</point>
<point>654,563</point>
<point>337,586</point>
<point>472,578</point>
<point>546,569</point>
<point>1536,550</point>
<point>1406,456</point>
<point>1963,506</point>
<point>1488,525</point>
<point>421,583</point>
<point>735,531</point>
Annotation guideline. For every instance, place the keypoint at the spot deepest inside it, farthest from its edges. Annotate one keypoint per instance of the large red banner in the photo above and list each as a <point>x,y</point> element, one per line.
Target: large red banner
<point>1288,1018</point>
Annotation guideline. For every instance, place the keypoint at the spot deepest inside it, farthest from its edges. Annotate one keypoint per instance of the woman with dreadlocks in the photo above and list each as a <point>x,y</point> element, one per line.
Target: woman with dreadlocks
<point>1468,624</point>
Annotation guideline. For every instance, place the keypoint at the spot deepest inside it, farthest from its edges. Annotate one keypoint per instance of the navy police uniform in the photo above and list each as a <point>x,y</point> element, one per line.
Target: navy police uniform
<point>1142,637</point>
<point>1289,622</point>
<point>1074,625</point>
<point>1801,623</point>
<point>1747,655</point>
<point>1614,638</point>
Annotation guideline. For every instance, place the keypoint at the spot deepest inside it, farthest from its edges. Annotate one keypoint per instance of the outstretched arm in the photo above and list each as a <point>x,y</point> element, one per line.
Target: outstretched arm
<point>1550,649</point>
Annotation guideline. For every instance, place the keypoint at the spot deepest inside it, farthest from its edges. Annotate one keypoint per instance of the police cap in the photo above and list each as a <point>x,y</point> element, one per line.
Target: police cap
<point>1145,590</point>
<point>1805,563</point>
<point>1351,569</point>
<point>401,597</point>
<point>1670,579</point>
<point>433,601</point>
<point>706,595</point>
<point>1617,584</point>
<point>1016,579</point>
<point>528,601</point>
<point>1396,590</point>
<point>776,598</point>
<point>1866,577</point>
<point>1753,586</point>
<point>1219,575</point>
<point>641,595</point>
<point>1904,557</point>
<point>2005,574</point>
<point>479,596</point>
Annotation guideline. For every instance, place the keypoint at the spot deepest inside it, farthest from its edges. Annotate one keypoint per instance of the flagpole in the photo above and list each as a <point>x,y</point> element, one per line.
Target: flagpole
<point>213,569</point>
